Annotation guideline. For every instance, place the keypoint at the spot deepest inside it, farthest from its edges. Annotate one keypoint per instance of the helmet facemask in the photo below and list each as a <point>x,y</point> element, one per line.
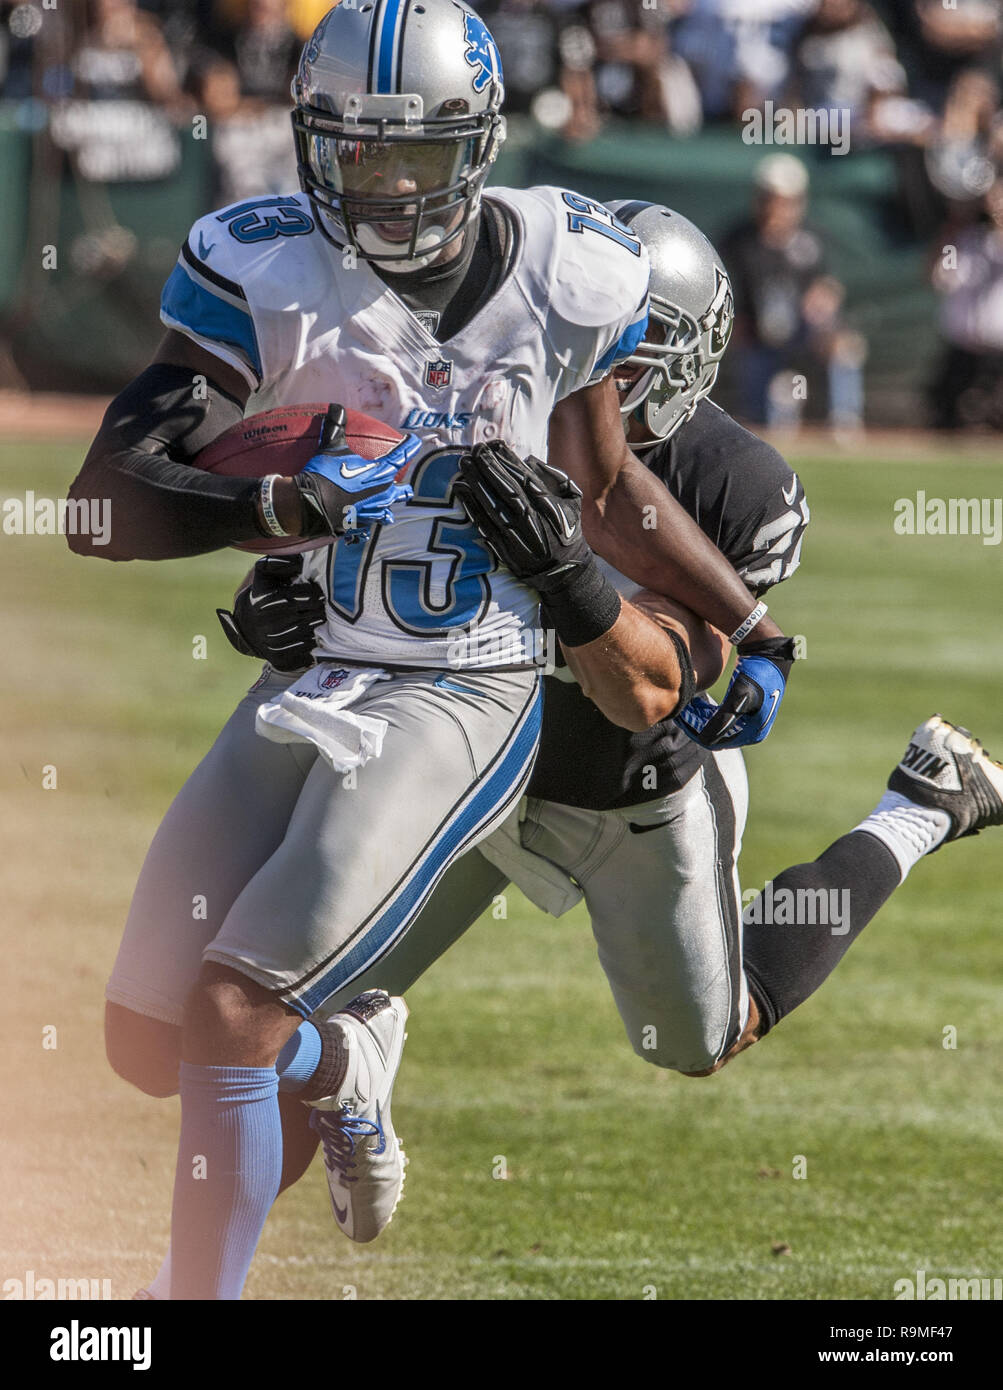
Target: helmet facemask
<point>395,188</point>
<point>683,365</point>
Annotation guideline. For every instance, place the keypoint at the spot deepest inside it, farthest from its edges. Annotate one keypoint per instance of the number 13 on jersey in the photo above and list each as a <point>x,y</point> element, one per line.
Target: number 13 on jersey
<point>406,585</point>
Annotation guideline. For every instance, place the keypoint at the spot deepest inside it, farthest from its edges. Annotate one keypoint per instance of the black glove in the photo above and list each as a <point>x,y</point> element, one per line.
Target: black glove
<point>340,491</point>
<point>529,512</point>
<point>274,616</point>
<point>530,515</point>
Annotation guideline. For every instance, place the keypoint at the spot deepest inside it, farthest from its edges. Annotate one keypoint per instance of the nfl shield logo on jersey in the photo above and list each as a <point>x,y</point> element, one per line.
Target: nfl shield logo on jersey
<point>334,678</point>
<point>439,374</point>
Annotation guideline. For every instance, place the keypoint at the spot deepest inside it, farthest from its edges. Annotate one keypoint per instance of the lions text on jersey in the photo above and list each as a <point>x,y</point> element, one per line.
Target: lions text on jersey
<point>259,286</point>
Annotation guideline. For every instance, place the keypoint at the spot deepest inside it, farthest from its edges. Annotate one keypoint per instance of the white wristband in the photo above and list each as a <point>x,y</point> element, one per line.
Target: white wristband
<point>742,632</point>
<point>268,505</point>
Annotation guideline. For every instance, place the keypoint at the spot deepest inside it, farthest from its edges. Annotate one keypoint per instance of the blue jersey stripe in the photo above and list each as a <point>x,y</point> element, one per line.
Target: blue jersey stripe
<point>193,306</point>
<point>624,345</point>
<point>481,808</point>
<point>388,28</point>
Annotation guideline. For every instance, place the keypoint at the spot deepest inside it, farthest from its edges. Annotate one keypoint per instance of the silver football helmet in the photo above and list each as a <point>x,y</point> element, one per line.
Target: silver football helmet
<point>396,125</point>
<point>691,299</point>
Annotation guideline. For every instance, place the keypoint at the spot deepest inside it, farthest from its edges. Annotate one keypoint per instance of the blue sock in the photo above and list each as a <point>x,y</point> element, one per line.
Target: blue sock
<point>298,1059</point>
<point>228,1173</point>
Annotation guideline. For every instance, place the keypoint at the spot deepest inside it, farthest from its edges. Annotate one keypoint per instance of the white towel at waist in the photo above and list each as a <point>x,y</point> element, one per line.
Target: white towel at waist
<point>544,883</point>
<point>316,709</point>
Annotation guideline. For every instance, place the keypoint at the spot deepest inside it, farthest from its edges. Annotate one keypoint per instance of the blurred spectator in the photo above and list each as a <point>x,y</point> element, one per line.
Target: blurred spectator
<point>265,51</point>
<point>968,275</point>
<point>526,33</point>
<point>21,34</point>
<point>116,114</point>
<point>251,144</point>
<point>846,60</point>
<point>787,309</point>
<point>937,40</point>
<point>616,60</point>
<point>740,51</point>
<point>187,26</point>
<point>123,56</point>
<point>962,147</point>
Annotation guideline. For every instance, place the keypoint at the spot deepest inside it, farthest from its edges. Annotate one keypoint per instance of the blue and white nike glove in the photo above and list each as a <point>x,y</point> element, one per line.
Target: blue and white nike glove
<point>341,492</point>
<point>749,708</point>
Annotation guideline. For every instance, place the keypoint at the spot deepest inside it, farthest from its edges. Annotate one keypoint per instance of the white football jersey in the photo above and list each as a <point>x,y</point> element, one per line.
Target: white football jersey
<point>258,285</point>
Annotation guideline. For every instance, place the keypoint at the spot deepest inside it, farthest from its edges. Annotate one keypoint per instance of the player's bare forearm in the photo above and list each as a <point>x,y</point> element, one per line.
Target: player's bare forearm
<point>709,649</point>
<point>632,673</point>
<point>633,522</point>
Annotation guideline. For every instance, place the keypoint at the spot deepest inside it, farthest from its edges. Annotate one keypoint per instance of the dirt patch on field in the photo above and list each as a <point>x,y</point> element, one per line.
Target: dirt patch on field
<point>49,416</point>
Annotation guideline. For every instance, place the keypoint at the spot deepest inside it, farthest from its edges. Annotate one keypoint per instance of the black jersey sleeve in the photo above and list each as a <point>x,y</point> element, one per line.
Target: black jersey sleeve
<point>741,491</point>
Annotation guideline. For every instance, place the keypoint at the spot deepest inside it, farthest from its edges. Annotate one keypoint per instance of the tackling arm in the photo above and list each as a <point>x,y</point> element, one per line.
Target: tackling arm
<point>633,522</point>
<point>649,663</point>
<point>632,659</point>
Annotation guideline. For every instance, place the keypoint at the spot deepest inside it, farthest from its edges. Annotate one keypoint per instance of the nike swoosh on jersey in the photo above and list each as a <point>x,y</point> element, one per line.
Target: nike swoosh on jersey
<point>203,248</point>
<point>794,492</point>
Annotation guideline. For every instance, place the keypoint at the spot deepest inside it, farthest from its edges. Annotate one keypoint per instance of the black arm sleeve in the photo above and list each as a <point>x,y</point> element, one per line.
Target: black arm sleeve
<point>160,507</point>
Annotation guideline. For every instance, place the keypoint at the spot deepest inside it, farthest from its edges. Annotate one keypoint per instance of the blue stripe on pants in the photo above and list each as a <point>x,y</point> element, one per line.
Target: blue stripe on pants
<point>488,797</point>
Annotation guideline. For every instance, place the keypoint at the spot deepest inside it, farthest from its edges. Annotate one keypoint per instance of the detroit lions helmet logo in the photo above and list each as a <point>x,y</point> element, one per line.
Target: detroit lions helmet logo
<point>481,52</point>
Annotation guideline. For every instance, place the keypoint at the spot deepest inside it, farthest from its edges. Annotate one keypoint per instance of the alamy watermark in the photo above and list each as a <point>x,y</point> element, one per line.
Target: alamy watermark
<point>974,1287</point>
<point>471,647</point>
<point>32,515</point>
<point>34,1287</point>
<point>84,1343</point>
<point>950,516</point>
<point>797,907</point>
<point>807,125</point>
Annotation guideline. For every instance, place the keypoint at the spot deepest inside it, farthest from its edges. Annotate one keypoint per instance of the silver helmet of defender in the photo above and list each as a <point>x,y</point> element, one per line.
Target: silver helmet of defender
<point>691,298</point>
<point>396,125</point>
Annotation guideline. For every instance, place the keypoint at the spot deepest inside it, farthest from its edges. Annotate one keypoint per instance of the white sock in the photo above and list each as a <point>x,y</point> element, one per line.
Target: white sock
<point>909,830</point>
<point>160,1284</point>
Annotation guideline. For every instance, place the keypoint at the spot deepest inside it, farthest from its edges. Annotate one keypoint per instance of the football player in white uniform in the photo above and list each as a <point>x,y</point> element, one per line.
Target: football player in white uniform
<point>389,285</point>
<point>647,827</point>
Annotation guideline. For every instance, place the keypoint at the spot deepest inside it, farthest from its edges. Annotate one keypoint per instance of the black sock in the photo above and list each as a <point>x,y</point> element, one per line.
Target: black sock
<point>794,939</point>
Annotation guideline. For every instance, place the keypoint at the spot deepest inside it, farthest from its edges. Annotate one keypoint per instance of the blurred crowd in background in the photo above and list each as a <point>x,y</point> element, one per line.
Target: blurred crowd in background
<point>920,78</point>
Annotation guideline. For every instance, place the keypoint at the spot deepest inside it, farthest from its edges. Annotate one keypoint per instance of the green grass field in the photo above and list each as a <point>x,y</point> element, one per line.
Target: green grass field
<point>620,1178</point>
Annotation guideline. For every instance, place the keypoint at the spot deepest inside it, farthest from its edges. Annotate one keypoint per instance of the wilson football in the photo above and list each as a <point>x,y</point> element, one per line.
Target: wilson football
<point>282,441</point>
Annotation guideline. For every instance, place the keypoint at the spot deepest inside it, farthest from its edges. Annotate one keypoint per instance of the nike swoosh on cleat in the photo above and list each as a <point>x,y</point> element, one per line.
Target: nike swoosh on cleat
<point>340,1213</point>
<point>381,1146</point>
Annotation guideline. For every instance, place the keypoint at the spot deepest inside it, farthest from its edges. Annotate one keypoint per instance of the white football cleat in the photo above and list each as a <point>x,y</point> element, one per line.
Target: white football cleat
<point>363,1157</point>
<point>944,767</point>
